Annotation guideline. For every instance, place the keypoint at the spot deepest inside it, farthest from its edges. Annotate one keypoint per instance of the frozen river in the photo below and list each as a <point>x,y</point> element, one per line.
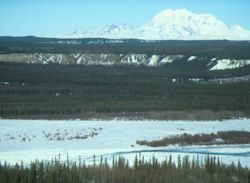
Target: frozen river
<point>27,140</point>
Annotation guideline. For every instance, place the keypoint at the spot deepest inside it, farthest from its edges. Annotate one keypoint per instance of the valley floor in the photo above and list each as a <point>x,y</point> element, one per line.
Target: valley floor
<point>28,140</point>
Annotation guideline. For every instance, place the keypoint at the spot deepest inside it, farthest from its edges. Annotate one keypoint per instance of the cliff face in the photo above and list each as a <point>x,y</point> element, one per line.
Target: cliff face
<point>124,59</point>
<point>90,59</point>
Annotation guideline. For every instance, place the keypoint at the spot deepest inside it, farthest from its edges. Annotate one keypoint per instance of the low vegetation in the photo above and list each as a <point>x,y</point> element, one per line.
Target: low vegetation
<point>58,135</point>
<point>211,170</point>
<point>221,137</point>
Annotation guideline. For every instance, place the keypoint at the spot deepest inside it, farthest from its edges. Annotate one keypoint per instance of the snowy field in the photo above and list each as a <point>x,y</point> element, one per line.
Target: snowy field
<point>27,140</point>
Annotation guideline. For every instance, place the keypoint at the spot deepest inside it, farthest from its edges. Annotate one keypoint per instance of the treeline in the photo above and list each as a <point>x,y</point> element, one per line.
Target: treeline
<point>142,171</point>
<point>213,48</point>
<point>27,89</point>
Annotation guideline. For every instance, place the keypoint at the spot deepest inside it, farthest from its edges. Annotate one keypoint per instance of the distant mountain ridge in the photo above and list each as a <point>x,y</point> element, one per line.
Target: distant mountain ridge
<point>170,25</point>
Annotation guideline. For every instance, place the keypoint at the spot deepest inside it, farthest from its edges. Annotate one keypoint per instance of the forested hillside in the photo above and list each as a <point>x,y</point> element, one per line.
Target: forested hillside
<point>51,91</point>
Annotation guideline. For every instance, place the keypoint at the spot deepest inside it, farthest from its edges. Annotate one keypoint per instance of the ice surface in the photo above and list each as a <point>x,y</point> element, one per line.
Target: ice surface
<point>111,139</point>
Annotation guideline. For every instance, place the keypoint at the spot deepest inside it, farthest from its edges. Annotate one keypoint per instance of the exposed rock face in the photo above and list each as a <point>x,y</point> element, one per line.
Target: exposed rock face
<point>90,59</point>
<point>122,59</point>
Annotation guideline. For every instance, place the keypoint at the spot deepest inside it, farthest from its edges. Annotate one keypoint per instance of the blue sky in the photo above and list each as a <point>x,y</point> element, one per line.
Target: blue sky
<point>57,17</point>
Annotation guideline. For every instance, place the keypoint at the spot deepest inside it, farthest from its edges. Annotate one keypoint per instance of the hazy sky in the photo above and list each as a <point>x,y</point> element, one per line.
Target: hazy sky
<point>57,17</point>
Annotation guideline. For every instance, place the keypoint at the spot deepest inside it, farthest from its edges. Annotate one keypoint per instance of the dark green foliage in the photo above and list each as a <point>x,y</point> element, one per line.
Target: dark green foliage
<point>221,137</point>
<point>142,171</point>
<point>213,48</point>
<point>73,89</point>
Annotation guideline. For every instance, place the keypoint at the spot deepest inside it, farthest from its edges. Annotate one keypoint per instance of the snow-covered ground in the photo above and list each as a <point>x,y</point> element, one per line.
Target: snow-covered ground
<point>223,64</point>
<point>26,140</point>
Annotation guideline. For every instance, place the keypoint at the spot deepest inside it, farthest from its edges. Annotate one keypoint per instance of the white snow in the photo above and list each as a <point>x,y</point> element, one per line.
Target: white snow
<point>153,60</point>
<point>4,83</point>
<point>167,60</point>
<point>59,58</point>
<point>195,79</point>
<point>45,58</point>
<point>46,139</point>
<point>230,64</point>
<point>177,24</point>
<point>115,41</point>
<point>171,58</point>
<point>192,58</point>
<point>133,59</point>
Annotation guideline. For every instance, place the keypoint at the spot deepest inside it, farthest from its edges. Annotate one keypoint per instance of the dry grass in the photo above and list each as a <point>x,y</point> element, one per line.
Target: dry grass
<point>223,137</point>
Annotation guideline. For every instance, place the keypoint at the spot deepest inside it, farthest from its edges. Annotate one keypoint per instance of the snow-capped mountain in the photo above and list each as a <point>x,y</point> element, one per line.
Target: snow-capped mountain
<point>171,24</point>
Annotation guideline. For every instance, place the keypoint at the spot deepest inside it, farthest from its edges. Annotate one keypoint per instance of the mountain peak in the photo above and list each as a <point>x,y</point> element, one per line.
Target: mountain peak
<point>169,13</point>
<point>181,16</point>
<point>179,24</point>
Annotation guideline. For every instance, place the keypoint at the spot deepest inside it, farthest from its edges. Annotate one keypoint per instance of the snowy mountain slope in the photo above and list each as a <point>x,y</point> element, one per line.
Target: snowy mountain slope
<point>171,24</point>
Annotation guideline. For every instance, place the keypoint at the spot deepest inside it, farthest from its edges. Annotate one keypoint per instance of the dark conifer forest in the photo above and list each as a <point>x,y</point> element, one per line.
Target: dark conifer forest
<point>185,170</point>
<point>84,91</point>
